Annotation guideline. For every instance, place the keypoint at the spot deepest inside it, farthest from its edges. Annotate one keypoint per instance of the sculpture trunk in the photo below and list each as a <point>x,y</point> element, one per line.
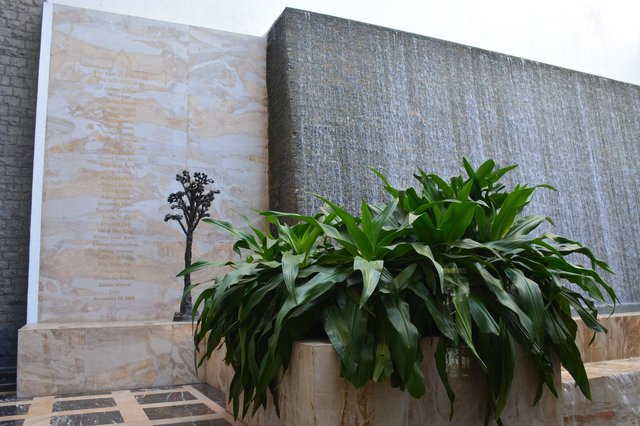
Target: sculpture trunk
<point>186,304</point>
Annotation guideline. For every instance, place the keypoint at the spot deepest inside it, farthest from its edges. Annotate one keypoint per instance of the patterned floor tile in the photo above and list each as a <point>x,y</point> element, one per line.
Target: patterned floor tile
<point>184,405</point>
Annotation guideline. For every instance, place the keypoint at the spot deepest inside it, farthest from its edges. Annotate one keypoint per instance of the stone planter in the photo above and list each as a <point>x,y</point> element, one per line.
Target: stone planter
<point>312,393</point>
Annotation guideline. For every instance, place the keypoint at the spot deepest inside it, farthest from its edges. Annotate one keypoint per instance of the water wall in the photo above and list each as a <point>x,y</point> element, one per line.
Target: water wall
<point>345,96</point>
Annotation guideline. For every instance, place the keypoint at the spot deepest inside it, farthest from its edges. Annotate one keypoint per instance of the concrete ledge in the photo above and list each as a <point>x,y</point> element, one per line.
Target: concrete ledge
<point>313,394</point>
<point>88,357</point>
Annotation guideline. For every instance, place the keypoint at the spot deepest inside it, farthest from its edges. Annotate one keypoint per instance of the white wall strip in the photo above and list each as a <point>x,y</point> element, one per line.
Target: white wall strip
<point>38,162</point>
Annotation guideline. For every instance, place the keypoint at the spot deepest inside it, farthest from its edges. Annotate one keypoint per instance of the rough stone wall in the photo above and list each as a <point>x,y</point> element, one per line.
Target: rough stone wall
<point>345,96</point>
<point>20,22</point>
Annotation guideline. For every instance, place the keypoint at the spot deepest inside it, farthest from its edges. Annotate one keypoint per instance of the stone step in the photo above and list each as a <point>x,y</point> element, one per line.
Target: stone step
<point>615,394</point>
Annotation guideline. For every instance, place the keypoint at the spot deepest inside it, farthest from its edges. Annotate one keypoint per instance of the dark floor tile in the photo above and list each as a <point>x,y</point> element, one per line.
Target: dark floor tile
<point>177,411</point>
<point>213,422</point>
<point>70,395</point>
<point>106,418</point>
<point>164,397</point>
<point>8,375</point>
<point>81,404</point>
<point>176,388</point>
<point>212,393</point>
<point>14,410</point>
<point>12,423</point>
<point>11,397</point>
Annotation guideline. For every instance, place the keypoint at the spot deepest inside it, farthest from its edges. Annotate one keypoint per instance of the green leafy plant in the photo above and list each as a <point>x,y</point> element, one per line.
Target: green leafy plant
<point>454,260</point>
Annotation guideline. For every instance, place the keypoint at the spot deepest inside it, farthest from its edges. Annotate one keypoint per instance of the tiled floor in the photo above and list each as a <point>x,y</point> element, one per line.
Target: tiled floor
<point>197,404</point>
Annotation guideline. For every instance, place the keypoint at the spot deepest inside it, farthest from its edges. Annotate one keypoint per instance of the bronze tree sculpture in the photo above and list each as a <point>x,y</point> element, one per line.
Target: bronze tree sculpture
<point>193,203</point>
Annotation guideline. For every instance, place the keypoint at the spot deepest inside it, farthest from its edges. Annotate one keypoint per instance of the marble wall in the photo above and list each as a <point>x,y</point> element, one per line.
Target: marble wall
<point>132,102</point>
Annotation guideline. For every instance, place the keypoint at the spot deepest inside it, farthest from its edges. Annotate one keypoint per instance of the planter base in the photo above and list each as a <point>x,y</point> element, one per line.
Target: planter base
<point>312,393</point>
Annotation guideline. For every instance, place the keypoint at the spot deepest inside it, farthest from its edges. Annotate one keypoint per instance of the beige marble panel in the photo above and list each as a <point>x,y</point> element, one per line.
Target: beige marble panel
<point>312,393</point>
<point>56,359</point>
<point>621,340</point>
<point>131,103</point>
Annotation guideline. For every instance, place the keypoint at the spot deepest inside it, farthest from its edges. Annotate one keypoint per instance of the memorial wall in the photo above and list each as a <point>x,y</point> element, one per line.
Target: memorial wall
<point>131,103</point>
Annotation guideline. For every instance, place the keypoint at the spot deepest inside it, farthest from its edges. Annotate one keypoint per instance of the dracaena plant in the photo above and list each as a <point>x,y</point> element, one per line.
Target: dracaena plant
<point>455,260</point>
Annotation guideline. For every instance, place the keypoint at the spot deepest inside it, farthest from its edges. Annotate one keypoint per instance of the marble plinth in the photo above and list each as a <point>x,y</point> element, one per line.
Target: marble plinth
<point>312,393</point>
<point>57,359</point>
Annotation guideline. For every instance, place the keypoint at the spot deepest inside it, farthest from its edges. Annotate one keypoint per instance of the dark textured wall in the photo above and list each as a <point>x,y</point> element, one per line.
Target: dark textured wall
<point>20,22</point>
<point>344,96</point>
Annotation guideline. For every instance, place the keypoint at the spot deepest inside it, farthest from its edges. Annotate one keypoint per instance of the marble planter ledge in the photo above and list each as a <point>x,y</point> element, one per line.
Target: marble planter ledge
<point>312,393</point>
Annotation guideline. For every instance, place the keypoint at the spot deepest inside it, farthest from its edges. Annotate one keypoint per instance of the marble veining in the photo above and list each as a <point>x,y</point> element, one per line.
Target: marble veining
<point>131,103</point>
<point>76,357</point>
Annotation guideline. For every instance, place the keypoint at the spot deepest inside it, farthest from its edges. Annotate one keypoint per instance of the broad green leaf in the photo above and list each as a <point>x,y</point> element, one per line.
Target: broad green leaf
<point>507,361</point>
<point>440,316</point>
<point>570,358</point>
<point>456,220</point>
<point>524,225</point>
<point>383,365</point>
<point>481,316</point>
<point>371,271</point>
<point>290,266</point>
<point>484,170</point>
<point>425,251</point>
<point>406,334</point>
<point>530,299</point>
<point>348,332</point>
<point>404,278</point>
<point>228,226</point>
<point>360,239</point>
<point>367,221</point>
<point>463,319</point>
<point>387,186</point>
<point>512,205</point>
<point>201,264</point>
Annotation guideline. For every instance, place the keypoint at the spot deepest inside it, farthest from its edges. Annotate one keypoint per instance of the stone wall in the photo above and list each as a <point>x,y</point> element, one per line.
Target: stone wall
<point>345,96</point>
<point>19,48</point>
